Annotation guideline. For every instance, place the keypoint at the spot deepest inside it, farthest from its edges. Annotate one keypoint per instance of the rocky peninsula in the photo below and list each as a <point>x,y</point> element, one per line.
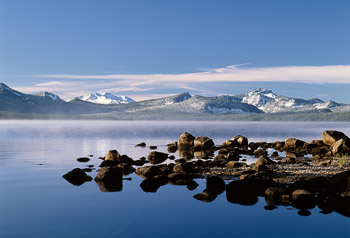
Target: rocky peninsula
<point>291,172</point>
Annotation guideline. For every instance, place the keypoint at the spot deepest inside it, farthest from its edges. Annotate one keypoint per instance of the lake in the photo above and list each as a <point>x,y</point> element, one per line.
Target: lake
<point>35,200</point>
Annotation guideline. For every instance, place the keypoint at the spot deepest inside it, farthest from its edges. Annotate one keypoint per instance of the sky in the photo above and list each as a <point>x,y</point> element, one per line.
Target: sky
<point>154,48</point>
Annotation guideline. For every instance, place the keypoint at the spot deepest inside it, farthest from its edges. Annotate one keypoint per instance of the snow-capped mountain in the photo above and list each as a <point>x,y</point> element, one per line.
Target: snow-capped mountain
<point>269,102</point>
<point>49,96</point>
<point>105,98</point>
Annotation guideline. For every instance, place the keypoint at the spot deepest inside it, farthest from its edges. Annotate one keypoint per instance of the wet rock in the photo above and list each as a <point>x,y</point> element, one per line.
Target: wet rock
<point>186,153</point>
<point>215,185</point>
<point>113,155</point>
<point>108,163</point>
<point>139,162</point>
<point>234,164</point>
<point>294,143</point>
<point>274,193</point>
<point>153,147</point>
<point>87,170</point>
<point>203,142</point>
<point>126,159</point>
<point>155,157</point>
<point>83,159</point>
<point>142,144</point>
<point>341,147</point>
<point>260,152</point>
<point>338,183</point>
<point>242,192</point>
<point>192,185</point>
<point>180,176</point>
<point>232,156</point>
<point>127,168</point>
<point>110,179</point>
<point>304,213</point>
<point>279,145</point>
<point>319,143</point>
<point>186,139</point>
<point>172,148</point>
<point>206,196</point>
<point>262,160</point>
<point>259,168</point>
<point>274,154</point>
<point>178,168</point>
<point>77,177</point>
<point>288,160</point>
<point>330,137</point>
<point>254,145</point>
<point>151,185</point>
<point>148,171</point>
<point>303,199</point>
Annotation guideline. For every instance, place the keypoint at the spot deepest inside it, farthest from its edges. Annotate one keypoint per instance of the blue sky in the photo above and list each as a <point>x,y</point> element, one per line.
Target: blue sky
<point>146,49</point>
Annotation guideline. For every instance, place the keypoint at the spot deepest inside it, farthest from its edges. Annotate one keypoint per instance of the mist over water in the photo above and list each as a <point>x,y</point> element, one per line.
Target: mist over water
<point>35,154</point>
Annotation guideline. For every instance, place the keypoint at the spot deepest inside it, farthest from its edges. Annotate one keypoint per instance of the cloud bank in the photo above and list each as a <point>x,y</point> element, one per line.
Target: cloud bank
<point>74,85</point>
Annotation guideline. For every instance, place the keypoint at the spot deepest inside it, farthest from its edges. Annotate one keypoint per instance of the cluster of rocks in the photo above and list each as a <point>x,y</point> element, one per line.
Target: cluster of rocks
<point>279,179</point>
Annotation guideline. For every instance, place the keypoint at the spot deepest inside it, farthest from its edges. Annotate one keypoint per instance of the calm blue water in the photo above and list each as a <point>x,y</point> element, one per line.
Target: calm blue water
<point>36,202</point>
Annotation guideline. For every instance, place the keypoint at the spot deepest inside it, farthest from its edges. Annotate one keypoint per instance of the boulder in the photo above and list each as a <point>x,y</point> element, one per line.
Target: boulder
<point>330,137</point>
<point>151,185</point>
<point>206,196</point>
<point>110,179</point>
<point>274,193</point>
<point>83,159</point>
<point>232,156</point>
<point>260,152</point>
<point>294,143</point>
<point>108,163</point>
<point>262,160</point>
<point>303,199</point>
<point>215,185</point>
<point>142,144</point>
<point>127,168</point>
<point>156,157</point>
<point>77,177</point>
<point>338,183</point>
<point>203,142</point>
<point>172,148</point>
<point>113,155</point>
<point>186,139</point>
<point>241,140</point>
<point>148,171</point>
<point>237,141</point>
<point>341,147</point>
<point>234,164</point>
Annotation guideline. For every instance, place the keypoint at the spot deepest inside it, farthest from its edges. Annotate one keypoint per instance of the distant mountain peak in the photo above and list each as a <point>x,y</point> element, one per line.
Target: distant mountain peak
<point>49,95</point>
<point>261,90</point>
<point>105,98</point>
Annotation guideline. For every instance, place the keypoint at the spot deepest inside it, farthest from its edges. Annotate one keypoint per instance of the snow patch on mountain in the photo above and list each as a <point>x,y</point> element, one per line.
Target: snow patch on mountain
<point>48,95</point>
<point>105,98</point>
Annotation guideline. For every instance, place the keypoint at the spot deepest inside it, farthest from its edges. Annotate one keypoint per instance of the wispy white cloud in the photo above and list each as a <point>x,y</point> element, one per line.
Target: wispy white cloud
<point>303,74</point>
<point>145,85</point>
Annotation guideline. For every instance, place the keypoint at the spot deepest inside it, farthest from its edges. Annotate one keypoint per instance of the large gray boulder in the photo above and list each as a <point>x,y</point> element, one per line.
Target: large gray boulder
<point>330,137</point>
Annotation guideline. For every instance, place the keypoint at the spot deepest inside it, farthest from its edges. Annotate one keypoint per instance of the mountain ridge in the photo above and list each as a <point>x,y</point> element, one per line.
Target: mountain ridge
<point>257,101</point>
